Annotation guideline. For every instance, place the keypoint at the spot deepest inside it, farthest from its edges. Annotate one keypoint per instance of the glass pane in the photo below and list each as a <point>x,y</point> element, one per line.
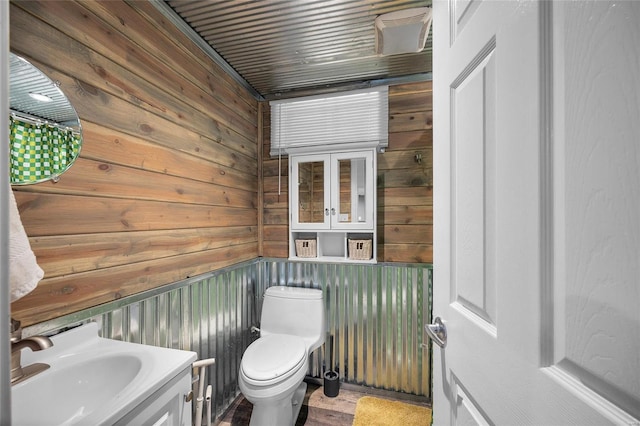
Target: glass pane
<point>345,191</point>
<point>311,192</point>
<point>352,190</point>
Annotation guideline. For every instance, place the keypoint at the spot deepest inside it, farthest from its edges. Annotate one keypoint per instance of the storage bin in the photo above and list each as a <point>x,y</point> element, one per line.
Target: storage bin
<point>360,249</point>
<point>306,248</point>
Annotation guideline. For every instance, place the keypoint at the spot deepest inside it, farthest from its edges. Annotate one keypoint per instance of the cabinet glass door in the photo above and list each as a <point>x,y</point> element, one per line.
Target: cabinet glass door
<point>352,207</point>
<point>310,201</point>
<point>311,192</point>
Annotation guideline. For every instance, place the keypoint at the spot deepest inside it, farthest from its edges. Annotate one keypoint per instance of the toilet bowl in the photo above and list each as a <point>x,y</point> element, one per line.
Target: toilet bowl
<point>273,367</point>
<point>271,371</point>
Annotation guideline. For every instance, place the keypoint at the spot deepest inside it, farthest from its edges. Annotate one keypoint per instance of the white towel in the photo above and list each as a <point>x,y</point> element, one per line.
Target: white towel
<point>24,272</point>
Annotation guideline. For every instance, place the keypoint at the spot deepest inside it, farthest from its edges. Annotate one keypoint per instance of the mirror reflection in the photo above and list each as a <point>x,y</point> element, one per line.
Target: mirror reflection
<point>311,192</point>
<point>45,134</point>
<point>352,190</point>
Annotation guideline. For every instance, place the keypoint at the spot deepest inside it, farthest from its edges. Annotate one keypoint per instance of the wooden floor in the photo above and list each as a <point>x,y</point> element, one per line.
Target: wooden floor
<point>318,409</point>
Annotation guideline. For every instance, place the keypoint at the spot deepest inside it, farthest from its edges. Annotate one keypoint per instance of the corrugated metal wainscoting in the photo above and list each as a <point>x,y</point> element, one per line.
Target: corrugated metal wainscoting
<point>375,319</point>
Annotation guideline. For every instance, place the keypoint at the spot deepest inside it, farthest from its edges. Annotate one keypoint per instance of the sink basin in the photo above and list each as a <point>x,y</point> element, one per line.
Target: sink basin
<point>91,380</point>
<point>82,384</point>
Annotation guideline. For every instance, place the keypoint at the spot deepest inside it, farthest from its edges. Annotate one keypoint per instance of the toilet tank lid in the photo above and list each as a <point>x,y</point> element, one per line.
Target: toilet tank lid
<point>294,292</point>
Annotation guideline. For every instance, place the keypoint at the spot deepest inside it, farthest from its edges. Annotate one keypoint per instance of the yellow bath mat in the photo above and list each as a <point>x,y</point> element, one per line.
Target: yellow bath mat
<point>371,411</point>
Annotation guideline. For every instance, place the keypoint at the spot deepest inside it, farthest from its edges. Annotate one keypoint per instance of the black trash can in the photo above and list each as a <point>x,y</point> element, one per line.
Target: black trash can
<point>331,384</point>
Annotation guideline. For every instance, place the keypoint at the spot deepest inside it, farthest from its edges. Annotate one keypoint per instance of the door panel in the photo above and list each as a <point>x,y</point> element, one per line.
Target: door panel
<point>597,331</point>
<point>466,411</point>
<point>472,125</point>
<point>536,207</point>
<point>462,12</point>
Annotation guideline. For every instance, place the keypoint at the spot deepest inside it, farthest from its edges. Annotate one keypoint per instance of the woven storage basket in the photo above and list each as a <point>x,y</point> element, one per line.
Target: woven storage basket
<point>306,248</point>
<point>360,249</point>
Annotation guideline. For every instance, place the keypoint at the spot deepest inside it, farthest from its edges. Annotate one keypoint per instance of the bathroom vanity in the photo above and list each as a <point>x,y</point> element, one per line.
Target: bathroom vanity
<point>92,380</point>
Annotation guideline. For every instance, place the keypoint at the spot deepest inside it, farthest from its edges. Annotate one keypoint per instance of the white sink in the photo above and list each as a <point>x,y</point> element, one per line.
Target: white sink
<point>91,380</point>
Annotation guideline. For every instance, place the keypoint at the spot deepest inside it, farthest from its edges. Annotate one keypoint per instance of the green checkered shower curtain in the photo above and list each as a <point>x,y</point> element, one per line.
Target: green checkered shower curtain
<point>40,151</point>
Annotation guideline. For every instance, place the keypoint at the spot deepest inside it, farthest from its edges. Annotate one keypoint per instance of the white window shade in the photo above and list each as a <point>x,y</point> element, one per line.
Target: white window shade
<point>346,120</point>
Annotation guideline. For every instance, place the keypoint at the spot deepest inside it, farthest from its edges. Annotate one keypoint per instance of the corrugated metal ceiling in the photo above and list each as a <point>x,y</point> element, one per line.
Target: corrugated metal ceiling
<point>285,48</point>
<point>25,80</point>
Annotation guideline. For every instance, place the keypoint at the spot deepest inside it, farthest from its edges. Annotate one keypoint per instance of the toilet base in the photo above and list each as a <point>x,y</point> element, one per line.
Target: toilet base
<point>297,400</point>
<point>284,412</point>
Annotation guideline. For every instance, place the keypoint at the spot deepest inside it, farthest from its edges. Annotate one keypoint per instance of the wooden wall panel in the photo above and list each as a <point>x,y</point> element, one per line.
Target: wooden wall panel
<point>405,177</point>
<point>275,177</point>
<point>166,184</point>
<point>404,184</point>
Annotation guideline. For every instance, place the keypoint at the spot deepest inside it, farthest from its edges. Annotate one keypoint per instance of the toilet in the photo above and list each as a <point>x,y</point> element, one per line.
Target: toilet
<point>273,368</point>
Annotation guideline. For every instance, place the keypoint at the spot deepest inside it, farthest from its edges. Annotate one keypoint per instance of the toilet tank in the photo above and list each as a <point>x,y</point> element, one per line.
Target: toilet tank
<point>296,311</point>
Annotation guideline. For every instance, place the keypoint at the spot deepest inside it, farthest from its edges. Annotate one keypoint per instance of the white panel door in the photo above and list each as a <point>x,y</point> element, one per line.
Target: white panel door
<point>537,212</point>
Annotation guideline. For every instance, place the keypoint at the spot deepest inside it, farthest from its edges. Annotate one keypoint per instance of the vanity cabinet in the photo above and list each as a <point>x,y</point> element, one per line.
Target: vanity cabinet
<point>168,406</point>
<point>332,202</point>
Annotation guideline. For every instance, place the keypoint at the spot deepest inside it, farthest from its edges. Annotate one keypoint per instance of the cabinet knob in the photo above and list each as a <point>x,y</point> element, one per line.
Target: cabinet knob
<point>326,212</point>
<point>333,212</point>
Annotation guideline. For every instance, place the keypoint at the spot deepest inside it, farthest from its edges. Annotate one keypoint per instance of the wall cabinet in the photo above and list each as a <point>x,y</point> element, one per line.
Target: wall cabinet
<point>332,201</point>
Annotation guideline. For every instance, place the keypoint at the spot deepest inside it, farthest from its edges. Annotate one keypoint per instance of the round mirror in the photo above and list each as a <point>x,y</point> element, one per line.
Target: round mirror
<point>45,134</point>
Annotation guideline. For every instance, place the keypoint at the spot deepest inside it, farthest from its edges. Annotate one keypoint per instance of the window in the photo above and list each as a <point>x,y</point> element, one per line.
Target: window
<point>324,123</point>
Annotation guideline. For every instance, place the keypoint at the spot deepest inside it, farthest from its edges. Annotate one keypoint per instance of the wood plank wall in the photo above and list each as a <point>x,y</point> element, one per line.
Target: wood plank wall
<point>404,182</point>
<point>166,184</point>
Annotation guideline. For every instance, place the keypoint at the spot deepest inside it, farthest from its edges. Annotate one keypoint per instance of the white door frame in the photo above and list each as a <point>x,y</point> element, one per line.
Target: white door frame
<point>5,347</point>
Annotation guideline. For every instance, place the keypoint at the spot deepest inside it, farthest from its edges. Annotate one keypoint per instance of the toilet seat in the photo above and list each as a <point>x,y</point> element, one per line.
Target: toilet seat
<point>273,358</point>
